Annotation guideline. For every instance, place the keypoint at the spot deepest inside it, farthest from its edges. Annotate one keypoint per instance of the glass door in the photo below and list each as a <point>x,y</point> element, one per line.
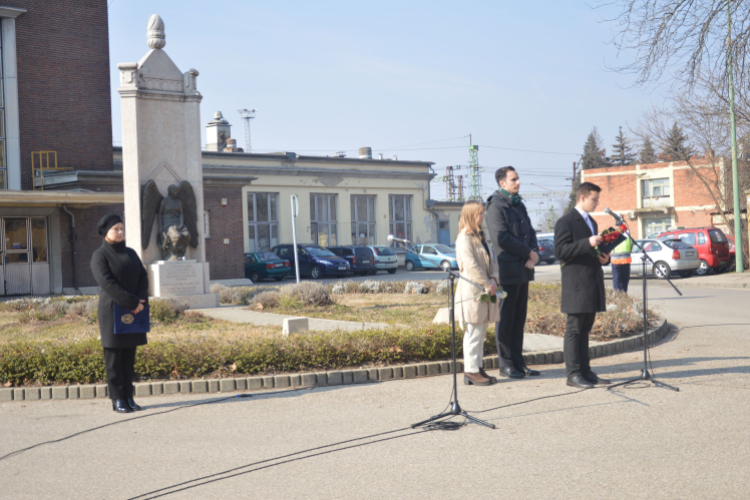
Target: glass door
<point>16,260</point>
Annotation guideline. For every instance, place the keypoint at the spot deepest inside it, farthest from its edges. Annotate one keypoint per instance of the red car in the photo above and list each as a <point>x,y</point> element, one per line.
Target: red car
<point>712,245</point>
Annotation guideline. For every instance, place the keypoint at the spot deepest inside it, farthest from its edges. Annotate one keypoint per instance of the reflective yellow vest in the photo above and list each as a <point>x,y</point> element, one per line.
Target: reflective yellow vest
<point>621,253</point>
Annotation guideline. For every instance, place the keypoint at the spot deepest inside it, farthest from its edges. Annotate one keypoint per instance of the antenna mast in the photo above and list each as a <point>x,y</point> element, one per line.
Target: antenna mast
<point>247,115</point>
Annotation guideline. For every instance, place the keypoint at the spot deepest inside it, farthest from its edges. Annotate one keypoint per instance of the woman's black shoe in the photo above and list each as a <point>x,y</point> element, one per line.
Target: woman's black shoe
<point>121,406</point>
<point>132,405</point>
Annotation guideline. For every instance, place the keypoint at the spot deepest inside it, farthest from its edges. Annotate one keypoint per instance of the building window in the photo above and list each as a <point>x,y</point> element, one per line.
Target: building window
<point>655,193</point>
<point>206,226</point>
<point>399,214</point>
<point>263,221</point>
<point>3,157</point>
<point>323,219</point>
<point>652,227</point>
<point>363,220</point>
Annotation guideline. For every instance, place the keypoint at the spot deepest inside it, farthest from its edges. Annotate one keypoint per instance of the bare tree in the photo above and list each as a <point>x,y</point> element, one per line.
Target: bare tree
<point>681,39</point>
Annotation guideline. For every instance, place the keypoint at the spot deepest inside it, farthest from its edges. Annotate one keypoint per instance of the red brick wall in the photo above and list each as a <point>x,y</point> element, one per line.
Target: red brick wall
<point>227,261</point>
<point>63,83</point>
<point>619,193</point>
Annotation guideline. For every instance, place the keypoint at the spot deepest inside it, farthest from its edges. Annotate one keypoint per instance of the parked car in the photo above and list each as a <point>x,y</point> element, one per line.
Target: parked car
<point>669,256</point>
<point>385,259</point>
<point>361,258</point>
<point>437,256</point>
<point>314,261</point>
<point>546,250</point>
<point>710,242</point>
<point>266,265</point>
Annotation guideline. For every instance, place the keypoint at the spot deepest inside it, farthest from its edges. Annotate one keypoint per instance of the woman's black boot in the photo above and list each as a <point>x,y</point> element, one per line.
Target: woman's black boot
<point>121,406</point>
<point>132,405</point>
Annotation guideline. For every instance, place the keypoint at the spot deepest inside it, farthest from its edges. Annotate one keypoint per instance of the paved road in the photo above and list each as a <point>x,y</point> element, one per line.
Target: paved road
<point>640,442</point>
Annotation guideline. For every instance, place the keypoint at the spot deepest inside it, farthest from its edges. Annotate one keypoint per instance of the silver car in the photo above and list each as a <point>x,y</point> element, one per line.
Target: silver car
<point>668,255</point>
<point>385,258</point>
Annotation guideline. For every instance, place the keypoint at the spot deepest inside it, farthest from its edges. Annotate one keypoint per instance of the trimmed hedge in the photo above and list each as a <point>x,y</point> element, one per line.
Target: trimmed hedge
<point>26,363</point>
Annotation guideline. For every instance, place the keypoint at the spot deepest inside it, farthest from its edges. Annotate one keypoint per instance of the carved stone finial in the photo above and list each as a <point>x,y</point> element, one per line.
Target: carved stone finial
<point>156,36</point>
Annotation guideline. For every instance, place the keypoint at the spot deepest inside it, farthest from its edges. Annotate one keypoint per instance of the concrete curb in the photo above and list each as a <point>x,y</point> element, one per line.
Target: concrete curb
<point>331,378</point>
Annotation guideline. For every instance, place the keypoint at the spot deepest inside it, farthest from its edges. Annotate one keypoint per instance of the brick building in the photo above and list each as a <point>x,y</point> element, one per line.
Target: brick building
<point>659,196</point>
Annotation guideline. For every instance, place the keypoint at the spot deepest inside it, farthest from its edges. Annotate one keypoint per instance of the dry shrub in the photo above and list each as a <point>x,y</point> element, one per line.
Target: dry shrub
<point>308,293</point>
<point>217,288</point>
<point>623,317</point>
<point>166,310</point>
<point>268,300</point>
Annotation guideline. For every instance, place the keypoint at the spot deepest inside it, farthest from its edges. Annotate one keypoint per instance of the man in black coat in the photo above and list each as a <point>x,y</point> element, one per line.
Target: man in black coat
<point>583,295</point>
<point>514,243</point>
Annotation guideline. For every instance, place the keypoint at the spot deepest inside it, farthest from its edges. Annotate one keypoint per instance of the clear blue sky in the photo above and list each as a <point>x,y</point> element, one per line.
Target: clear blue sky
<point>337,75</point>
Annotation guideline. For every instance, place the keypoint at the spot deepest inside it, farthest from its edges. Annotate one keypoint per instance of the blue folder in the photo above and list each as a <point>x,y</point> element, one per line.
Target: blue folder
<point>127,322</point>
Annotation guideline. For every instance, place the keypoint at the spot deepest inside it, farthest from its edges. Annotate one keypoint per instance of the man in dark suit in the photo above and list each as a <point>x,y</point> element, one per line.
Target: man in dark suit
<point>514,243</point>
<point>583,295</point>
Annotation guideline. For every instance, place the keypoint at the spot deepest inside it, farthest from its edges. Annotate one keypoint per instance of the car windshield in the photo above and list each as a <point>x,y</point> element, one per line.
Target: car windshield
<point>443,248</point>
<point>385,251</point>
<point>320,252</point>
<point>267,256</point>
<point>716,236</point>
<point>547,244</point>
<point>675,244</point>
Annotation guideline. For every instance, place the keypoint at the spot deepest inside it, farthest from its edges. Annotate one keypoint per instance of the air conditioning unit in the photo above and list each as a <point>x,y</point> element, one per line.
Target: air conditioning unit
<point>632,215</point>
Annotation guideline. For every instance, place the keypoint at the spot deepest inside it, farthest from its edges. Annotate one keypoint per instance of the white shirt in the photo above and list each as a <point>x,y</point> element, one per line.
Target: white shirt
<point>587,218</point>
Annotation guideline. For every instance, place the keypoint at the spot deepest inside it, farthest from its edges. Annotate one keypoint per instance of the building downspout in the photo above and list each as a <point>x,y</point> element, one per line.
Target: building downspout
<point>72,243</point>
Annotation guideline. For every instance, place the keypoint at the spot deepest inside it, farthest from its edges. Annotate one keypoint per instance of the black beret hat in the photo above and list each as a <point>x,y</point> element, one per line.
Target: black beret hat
<point>106,223</point>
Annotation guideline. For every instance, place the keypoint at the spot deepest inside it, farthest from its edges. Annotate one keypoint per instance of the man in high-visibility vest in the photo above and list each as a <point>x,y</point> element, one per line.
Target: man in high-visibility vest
<point>621,265</point>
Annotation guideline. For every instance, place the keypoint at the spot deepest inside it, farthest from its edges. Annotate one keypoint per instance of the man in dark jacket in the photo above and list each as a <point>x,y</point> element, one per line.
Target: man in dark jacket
<point>514,243</point>
<point>583,295</point>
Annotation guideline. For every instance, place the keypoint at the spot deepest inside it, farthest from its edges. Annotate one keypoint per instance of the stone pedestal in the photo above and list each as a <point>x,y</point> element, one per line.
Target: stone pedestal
<point>182,280</point>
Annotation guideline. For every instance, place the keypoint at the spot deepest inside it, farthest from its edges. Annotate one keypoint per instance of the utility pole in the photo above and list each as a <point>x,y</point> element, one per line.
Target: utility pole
<point>740,265</point>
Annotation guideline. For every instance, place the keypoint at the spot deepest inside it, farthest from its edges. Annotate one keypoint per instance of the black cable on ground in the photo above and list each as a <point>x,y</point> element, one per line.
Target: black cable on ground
<point>117,422</point>
<point>213,477</point>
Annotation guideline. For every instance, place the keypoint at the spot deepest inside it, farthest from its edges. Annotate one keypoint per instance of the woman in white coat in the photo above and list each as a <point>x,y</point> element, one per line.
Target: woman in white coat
<point>475,263</point>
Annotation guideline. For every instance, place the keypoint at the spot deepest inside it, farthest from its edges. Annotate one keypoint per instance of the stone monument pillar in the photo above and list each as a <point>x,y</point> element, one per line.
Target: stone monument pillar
<point>163,173</point>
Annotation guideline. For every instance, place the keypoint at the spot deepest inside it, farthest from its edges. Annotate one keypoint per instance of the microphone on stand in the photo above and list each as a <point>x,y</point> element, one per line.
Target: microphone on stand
<point>617,218</point>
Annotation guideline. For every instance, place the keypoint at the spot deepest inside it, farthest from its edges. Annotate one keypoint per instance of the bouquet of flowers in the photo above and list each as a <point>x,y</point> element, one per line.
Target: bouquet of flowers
<point>487,298</point>
<point>611,237</point>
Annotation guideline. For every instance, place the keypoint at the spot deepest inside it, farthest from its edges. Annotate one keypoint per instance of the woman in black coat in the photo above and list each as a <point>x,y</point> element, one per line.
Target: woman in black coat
<point>123,280</point>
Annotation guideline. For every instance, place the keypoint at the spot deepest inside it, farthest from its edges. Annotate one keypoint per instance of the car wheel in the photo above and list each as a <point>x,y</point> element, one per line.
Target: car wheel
<point>551,261</point>
<point>254,278</point>
<point>445,265</point>
<point>703,269</point>
<point>662,270</point>
<point>409,265</point>
<point>279,278</point>
<point>391,271</point>
<point>315,272</point>
<point>373,272</point>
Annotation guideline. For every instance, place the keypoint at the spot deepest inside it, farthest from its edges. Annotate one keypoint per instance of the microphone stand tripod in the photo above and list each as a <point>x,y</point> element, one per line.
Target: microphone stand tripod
<point>455,409</point>
<point>645,375</point>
